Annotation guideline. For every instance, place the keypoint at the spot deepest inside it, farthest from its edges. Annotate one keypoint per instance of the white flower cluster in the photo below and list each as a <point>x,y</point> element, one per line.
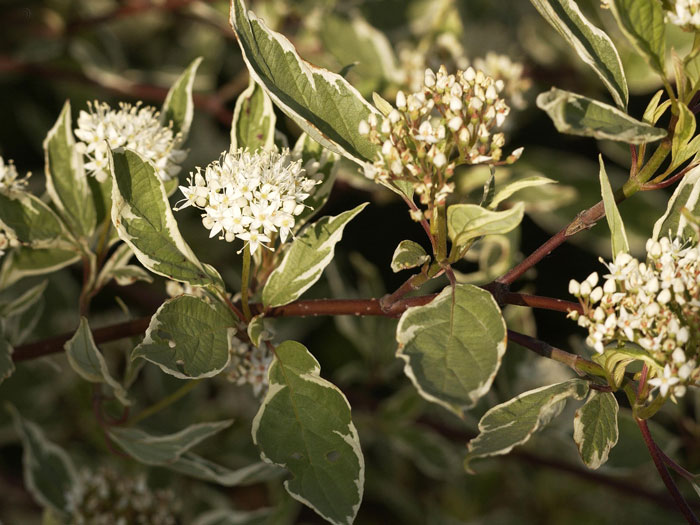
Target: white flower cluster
<point>511,73</point>
<point>9,178</point>
<point>249,366</point>
<point>107,498</point>
<point>131,126</point>
<point>654,305</point>
<point>445,49</point>
<point>250,196</point>
<point>449,122</point>
<point>685,14</point>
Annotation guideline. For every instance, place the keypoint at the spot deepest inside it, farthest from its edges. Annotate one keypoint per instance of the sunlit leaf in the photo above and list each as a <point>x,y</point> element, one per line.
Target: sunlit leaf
<point>595,428</point>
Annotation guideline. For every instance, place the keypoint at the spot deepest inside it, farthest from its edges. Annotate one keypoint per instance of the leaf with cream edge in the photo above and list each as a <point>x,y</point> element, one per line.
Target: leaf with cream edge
<point>178,108</point>
<point>513,423</point>
<point>466,222</point>
<point>591,44</point>
<point>453,346</point>
<point>595,428</point>
<point>322,103</point>
<point>189,338</point>
<point>86,359</point>
<point>49,473</point>
<point>510,189</point>
<point>686,195</point>
<point>143,219</point>
<point>253,125</point>
<point>643,22</point>
<point>66,181</point>
<point>195,466</point>
<point>306,259</point>
<point>304,425</point>
<point>235,517</point>
<point>408,254</point>
<point>117,267</point>
<point>683,145</point>
<point>618,236</point>
<point>578,115</point>
<point>33,222</point>
<point>27,262</point>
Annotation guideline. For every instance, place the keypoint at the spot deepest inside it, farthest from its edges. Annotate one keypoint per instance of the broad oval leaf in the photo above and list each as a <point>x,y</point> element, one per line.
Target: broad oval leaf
<point>453,346</point>
<point>408,254</point>
<point>686,195</point>
<point>143,219</point>
<point>87,361</point>
<point>189,338</point>
<point>578,115</point>
<point>178,108</point>
<point>618,235</point>
<point>304,425</point>
<point>512,423</point>
<point>592,44</point>
<point>643,23</point>
<point>254,119</point>
<point>595,428</point>
<point>466,222</point>
<point>32,221</point>
<point>306,259</point>
<point>66,181</point>
<point>322,103</point>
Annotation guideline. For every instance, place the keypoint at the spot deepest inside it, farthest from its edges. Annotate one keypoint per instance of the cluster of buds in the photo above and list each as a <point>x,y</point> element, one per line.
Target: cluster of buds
<point>502,68</point>
<point>249,366</point>
<point>107,498</point>
<point>654,305</point>
<point>684,13</point>
<point>10,181</point>
<point>451,121</point>
<point>445,49</point>
<point>131,126</point>
<point>250,196</point>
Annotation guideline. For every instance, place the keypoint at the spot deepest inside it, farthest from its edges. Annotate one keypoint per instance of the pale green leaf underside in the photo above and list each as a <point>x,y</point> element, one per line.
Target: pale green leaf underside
<point>195,466</point>
<point>510,189</point>
<point>178,108</point>
<point>306,259</point>
<point>469,221</point>
<point>453,346</point>
<point>686,195</point>
<point>253,125</point>
<point>618,235</point>
<point>578,115</point>
<point>643,23</point>
<point>322,103</point>
<point>595,428</point>
<point>408,254</point>
<point>7,367</point>
<point>163,450</point>
<point>49,473</point>
<point>304,425</point>
<point>143,218</point>
<point>512,423</point>
<point>591,44</point>
<point>87,361</point>
<point>188,338</point>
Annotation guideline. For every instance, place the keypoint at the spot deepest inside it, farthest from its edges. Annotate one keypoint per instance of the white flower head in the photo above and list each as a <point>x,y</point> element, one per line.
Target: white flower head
<point>9,178</point>
<point>685,14</point>
<point>131,126</point>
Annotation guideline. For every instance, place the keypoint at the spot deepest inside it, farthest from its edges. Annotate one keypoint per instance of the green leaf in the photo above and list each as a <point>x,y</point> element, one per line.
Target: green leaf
<point>253,125</point>
<point>595,428</point>
<point>683,146</point>
<point>306,259</point>
<point>512,423</point>
<point>26,262</point>
<point>453,346</point>
<point>66,181</point>
<point>32,221</point>
<point>408,254</point>
<point>87,361</point>
<point>163,450</point>
<point>178,107</point>
<point>49,473</point>
<point>469,221</point>
<point>433,455</point>
<point>19,305</point>
<point>591,44</point>
<point>117,268</point>
<point>686,195</point>
<point>7,366</point>
<point>642,21</point>
<point>189,338</point>
<point>190,464</point>
<point>256,330</point>
<point>143,218</point>
<point>612,214</point>
<point>234,517</point>
<point>322,103</point>
<point>509,189</point>
<point>578,115</point>
<point>655,109</point>
<point>382,104</point>
<point>304,425</point>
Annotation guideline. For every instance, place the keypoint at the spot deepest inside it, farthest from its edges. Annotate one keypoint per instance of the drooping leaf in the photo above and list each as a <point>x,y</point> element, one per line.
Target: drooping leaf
<point>595,428</point>
<point>33,222</point>
<point>193,465</point>
<point>304,425</point>
<point>683,145</point>
<point>514,187</point>
<point>306,259</point>
<point>578,115</point>
<point>322,103</point>
<point>408,254</point>
<point>66,181</point>
<point>453,346</point>
<point>117,267</point>
<point>26,262</point>
<point>466,222</point>
<point>686,195</point>
<point>87,361</point>
<point>512,423</point>
<point>178,108</point>
<point>591,44</point>
<point>643,23</point>
<point>49,473</point>
<point>618,235</point>
<point>165,449</point>
<point>254,119</point>
<point>655,109</point>
<point>18,305</point>
<point>143,218</point>
<point>188,338</point>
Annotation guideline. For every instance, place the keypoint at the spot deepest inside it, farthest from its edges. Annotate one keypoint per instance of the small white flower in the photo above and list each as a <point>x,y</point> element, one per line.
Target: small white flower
<point>665,382</point>
<point>9,178</point>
